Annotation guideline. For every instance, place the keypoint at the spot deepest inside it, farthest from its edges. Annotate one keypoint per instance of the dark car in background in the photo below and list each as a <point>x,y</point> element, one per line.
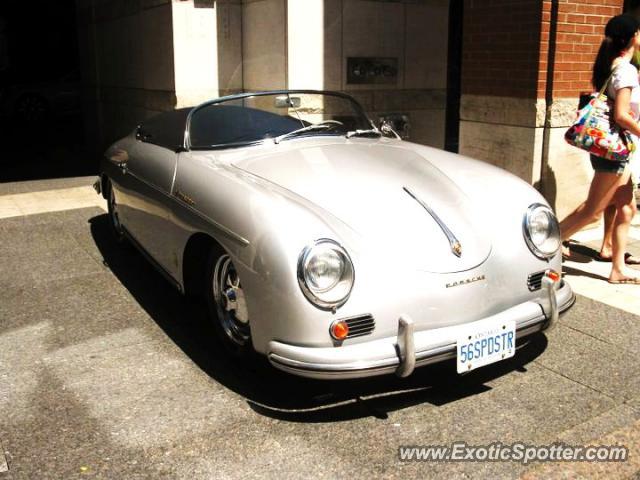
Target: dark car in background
<point>35,101</point>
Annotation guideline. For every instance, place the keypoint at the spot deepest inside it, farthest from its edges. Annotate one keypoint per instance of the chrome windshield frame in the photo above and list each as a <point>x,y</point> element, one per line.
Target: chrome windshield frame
<point>239,96</point>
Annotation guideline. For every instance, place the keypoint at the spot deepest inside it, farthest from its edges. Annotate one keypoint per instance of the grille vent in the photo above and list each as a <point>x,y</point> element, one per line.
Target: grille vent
<point>534,281</point>
<point>360,325</point>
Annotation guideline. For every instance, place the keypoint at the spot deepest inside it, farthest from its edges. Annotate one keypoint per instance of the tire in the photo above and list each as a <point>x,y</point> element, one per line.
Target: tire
<point>114,217</point>
<point>227,306</point>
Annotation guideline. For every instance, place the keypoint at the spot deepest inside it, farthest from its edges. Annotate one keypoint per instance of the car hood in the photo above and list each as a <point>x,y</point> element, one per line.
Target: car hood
<point>365,183</point>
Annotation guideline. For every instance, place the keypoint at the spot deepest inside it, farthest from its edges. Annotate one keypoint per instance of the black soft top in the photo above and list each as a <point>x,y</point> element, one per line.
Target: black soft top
<point>213,126</point>
<point>165,129</point>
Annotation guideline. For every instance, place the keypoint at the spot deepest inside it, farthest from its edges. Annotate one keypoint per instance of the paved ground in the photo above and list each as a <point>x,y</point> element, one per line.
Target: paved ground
<point>107,372</point>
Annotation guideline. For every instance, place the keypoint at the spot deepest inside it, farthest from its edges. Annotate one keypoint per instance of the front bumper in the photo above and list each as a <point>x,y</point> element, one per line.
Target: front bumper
<point>409,349</point>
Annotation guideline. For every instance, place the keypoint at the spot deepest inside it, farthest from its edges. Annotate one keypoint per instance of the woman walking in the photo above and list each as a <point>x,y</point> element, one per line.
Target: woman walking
<point>611,184</point>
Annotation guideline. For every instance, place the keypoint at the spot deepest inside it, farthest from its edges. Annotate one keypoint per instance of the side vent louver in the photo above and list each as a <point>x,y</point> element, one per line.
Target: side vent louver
<point>534,281</point>
<point>360,325</point>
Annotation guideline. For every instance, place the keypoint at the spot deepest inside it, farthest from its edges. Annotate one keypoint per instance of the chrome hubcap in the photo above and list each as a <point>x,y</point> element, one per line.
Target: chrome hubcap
<point>230,301</point>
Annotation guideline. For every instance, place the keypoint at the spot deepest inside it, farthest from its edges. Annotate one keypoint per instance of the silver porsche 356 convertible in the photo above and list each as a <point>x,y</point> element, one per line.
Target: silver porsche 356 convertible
<point>332,247</point>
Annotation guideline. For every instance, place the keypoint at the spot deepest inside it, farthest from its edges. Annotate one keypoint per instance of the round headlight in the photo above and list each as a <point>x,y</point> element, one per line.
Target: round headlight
<point>541,231</point>
<point>325,274</point>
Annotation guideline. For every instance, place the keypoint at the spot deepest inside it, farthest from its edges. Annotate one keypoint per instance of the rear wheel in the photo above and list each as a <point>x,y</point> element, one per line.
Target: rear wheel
<point>227,305</point>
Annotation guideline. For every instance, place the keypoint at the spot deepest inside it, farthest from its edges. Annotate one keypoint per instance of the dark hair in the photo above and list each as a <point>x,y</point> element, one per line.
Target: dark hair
<point>632,4</point>
<point>602,65</point>
<point>618,33</point>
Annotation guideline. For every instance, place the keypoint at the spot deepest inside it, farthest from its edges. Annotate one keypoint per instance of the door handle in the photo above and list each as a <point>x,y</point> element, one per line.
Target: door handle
<point>123,167</point>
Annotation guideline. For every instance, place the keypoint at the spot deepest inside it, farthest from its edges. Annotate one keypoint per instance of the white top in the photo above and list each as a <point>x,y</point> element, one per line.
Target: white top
<point>626,75</point>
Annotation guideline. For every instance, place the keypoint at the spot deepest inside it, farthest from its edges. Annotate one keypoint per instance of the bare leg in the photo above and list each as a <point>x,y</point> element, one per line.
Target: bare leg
<point>625,210</point>
<point>607,239</point>
<point>603,187</point>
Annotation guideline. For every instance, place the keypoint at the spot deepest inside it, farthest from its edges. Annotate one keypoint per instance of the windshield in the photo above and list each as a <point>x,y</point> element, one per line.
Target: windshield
<point>251,119</point>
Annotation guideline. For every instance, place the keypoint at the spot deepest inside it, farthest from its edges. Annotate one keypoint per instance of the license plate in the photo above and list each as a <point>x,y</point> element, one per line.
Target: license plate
<point>484,343</point>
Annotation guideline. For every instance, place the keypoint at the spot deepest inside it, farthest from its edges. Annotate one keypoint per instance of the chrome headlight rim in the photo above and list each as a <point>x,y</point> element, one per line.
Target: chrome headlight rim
<point>319,297</point>
<point>527,232</point>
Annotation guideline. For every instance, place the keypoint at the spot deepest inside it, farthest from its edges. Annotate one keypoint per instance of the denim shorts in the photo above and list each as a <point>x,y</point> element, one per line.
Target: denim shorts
<point>603,165</point>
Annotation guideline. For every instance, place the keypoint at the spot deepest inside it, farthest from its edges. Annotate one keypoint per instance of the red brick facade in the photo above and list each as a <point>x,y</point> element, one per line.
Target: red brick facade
<point>508,45</point>
<point>501,47</point>
<point>579,30</point>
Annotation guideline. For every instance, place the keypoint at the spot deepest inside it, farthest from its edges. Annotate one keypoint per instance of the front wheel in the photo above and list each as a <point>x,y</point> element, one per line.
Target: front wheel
<point>227,305</point>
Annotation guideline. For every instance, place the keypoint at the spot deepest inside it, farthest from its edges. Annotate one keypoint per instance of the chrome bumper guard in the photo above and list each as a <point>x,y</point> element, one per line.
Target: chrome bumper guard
<point>406,347</point>
<point>552,312</point>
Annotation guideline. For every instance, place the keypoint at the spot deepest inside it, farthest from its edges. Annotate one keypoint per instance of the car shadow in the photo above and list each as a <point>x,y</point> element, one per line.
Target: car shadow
<point>276,394</point>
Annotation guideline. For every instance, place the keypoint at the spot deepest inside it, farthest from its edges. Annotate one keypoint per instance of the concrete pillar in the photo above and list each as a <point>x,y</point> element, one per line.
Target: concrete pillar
<point>264,44</point>
<point>195,53</point>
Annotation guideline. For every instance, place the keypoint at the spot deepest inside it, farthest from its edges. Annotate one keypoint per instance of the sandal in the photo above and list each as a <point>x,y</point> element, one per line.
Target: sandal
<point>629,259</point>
<point>626,281</point>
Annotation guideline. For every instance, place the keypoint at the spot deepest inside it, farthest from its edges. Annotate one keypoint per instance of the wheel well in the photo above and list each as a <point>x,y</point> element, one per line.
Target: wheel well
<point>194,264</point>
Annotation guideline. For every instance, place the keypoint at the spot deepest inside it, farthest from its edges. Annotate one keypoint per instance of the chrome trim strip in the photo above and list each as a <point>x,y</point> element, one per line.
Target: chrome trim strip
<point>456,247</point>
<point>224,230</point>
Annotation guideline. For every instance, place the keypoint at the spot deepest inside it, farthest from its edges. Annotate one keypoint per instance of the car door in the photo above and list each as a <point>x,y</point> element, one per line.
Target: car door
<point>150,173</point>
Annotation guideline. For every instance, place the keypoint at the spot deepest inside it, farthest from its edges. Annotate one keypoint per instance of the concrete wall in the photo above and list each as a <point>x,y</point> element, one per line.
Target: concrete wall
<point>127,63</point>
<point>415,33</point>
<point>229,46</point>
<point>195,53</point>
<point>305,44</point>
<point>264,46</point>
<point>567,174</point>
<point>146,56</point>
<point>143,57</point>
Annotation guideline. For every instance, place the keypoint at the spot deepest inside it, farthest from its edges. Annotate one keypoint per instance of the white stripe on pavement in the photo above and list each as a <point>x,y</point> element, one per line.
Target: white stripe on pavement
<point>47,201</point>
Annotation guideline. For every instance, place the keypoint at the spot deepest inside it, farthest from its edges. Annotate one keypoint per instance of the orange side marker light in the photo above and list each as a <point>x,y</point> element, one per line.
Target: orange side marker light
<point>339,330</point>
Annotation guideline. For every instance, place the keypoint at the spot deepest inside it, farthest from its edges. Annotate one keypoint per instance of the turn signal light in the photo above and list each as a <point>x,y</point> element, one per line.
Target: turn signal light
<point>339,330</point>
<point>553,275</point>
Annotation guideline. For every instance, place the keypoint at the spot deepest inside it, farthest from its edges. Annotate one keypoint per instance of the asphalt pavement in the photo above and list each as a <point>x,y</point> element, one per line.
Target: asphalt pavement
<point>107,372</point>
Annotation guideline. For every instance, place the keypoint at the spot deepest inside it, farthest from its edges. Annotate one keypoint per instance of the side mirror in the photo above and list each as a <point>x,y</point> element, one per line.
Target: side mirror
<point>141,135</point>
<point>286,101</point>
<point>387,130</point>
<point>395,125</point>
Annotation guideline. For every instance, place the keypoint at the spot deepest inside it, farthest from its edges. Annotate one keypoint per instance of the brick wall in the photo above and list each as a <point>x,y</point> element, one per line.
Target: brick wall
<point>506,45</point>
<point>579,30</point>
<point>501,47</point>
